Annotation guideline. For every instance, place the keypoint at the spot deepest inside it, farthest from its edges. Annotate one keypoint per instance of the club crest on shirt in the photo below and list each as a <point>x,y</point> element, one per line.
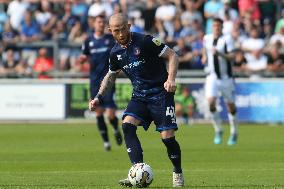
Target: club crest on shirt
<point>91,43</point>
<point>157,41</point>
<point>136,51</point>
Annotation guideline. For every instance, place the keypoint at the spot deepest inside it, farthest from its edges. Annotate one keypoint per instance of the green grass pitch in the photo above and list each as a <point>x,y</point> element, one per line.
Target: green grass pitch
<point>71,156</point>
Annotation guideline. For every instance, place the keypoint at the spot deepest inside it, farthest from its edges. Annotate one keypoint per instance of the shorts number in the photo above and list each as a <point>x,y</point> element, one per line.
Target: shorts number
<point>171,112</point>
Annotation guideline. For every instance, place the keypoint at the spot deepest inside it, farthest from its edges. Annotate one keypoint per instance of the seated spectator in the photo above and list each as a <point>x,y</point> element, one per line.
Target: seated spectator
<point>256,63</point>
<point>278,38</point>
<point>12,66</point>
<point>239,61</point>
<point>275,60</point>
<point>184,53</point>
<point>43,64</point>
<point>185,105</point>
<point>253,43</point>
<point>9,35</point>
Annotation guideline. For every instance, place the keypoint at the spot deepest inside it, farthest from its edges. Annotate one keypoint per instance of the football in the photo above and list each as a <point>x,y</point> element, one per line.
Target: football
<point>140,175</point>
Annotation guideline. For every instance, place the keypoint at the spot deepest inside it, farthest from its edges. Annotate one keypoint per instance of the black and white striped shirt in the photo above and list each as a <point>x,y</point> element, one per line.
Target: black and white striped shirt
<point>218,65</point>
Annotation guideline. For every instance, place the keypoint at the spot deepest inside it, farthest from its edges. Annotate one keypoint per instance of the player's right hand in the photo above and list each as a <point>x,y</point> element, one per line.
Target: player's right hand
<point>93,104</point>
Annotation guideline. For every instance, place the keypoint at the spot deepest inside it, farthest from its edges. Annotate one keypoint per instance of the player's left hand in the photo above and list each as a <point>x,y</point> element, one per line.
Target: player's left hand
<point>93,104</point>
<point>170,86</point>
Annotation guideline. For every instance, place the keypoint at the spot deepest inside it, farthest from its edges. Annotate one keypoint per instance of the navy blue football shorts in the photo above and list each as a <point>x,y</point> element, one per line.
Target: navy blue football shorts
<point>108,99</point>
<point>160,109</point>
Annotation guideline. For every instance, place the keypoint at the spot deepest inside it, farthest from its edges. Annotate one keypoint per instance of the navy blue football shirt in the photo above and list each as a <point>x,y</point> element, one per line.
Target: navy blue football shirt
<point>142,63</point>
<point>98,50</point>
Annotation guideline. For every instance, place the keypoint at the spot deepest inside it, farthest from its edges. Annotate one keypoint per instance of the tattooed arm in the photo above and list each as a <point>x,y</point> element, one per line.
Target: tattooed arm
<point>107,83</point>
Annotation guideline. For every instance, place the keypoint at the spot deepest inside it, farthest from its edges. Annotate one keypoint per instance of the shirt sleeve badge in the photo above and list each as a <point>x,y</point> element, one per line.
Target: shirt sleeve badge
<point>157,41</point>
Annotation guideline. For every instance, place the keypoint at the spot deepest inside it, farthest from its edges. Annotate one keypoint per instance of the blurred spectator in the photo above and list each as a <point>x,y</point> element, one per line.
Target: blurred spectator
<point>30,32</point>
<point>256,63</point>
<point>196,47</point>
<point>3,18</point>
<point>30,29</point>
<point>190,14</point>
<point>239,62</point>
<point>228,24</point>
<point>59,33</point>
<point>43,64</point>
<point>16,11</point>
<point>68,19</point>
<point>267,30</point>
<point>211,9</point>
<point>250,7</point>
<point>165,14</point>
<point>134,26</point>
<point>148,14</point>
<point>254,43</point>
<point>46,19</point>
<point>80,9</point>
<point>238,36</point>
<point>11,65</point>
<point>77,36</point>
<point>185,105</point>
<point>184,53</point>
<point>275,60</point>
<point>278,38</point>
<point>280,22</point>
<point>228,11</point>
<point>9,35</point>
<point>100,8</point>
<point>268,9</point>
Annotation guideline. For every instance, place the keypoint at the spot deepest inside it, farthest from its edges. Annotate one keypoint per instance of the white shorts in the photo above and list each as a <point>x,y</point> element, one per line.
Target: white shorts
<point>215,87</point>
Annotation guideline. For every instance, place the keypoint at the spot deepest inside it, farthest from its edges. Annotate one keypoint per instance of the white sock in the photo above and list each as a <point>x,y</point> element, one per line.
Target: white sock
<point>232,122</point>
<point>216,121</point>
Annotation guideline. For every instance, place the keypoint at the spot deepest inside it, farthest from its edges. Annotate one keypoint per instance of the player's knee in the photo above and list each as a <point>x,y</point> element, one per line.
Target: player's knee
<point>128,128</point>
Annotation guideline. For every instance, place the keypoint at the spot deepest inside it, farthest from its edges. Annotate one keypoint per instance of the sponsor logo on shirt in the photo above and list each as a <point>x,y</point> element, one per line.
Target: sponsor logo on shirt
<point>99,50</point>
<point>134,64</point>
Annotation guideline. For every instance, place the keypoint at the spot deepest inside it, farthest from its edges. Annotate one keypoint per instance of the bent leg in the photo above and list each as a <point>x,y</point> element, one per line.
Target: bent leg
<point>132,142</point>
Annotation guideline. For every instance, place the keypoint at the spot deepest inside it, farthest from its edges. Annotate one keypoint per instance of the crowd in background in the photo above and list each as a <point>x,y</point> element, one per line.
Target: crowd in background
<point>256,26</point>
